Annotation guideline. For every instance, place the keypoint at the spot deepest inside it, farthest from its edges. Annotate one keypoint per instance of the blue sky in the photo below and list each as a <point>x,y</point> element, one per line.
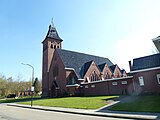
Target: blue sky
<point>117,29</point>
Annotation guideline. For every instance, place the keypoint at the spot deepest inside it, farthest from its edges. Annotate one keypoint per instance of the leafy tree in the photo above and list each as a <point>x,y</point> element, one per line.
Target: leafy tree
<point>37,86</point>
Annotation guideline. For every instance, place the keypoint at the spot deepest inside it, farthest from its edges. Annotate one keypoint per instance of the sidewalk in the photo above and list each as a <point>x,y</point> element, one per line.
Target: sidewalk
<point>103,112</point>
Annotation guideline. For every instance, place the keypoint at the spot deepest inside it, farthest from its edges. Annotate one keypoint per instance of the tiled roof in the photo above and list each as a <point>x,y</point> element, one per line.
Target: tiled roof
<point>85,68</point>
<point>146,62</point>
<point>112,68</point>
<point>101,66</point>
<point>122,71</point>
<point>78,60</point>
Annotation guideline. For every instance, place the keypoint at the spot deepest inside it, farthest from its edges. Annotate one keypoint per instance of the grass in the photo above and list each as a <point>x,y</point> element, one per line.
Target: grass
<point>140,104</point>
<point>137,104</point>
<point>74,102</point>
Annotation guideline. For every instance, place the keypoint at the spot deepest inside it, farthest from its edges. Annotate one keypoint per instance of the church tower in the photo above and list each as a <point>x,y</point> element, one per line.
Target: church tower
<point>50,43</point>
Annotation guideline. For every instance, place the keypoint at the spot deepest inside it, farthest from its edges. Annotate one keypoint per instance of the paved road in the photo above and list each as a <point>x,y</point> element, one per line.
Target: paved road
<point>16,113</point>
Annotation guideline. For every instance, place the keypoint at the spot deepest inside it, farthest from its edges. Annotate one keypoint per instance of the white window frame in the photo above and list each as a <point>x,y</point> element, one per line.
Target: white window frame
<point>88,80</point>
<point>123,82</point>
<point>92,86</point>
<point>158,78</point>
<point>141,81</point>
<point>86,86</point>
<point>114,83</point>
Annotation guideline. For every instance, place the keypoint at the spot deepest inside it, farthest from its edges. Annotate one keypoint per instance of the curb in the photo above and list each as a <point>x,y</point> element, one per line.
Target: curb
<point>89,112</point>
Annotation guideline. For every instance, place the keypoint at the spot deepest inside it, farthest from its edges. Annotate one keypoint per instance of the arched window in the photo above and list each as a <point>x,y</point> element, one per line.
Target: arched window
<point>51,45</point>
<point>94,76</point>
<point>107,76</point>
<point>55,71</point>
<point>73,80</point>
<point>54,46</point>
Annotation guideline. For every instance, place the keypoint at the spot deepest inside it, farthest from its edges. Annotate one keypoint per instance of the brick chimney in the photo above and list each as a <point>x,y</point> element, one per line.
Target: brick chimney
<point>130,65</point>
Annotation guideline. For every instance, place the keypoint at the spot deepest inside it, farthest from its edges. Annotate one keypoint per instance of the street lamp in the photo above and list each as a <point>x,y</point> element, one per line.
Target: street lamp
<point>32,79</point>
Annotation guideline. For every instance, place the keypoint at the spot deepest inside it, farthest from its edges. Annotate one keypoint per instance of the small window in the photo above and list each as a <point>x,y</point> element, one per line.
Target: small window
<point>141,81</point>
<point>92,86</point>
<point>73,80</point>
<point>51,45</point>
<point>86,86</point>
<point>114,83</point>
<point>107,75</point>
<point>54,46</point>
<point>158,78</point>
<point>124,82</point>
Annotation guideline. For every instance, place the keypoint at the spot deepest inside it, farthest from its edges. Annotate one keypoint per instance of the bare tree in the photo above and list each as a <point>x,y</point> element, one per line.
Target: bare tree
<point>3,84</point>
<point>13,86</point>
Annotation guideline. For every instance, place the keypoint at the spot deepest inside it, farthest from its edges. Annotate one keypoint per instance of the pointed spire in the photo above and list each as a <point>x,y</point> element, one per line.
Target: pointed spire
<point>52,32</point>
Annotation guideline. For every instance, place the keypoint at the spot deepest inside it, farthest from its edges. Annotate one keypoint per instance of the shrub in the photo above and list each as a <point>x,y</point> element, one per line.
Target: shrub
<point>11,95</point>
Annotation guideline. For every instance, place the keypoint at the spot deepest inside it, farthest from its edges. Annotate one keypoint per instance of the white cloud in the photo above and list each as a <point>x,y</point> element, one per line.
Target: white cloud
<point>132,47</point>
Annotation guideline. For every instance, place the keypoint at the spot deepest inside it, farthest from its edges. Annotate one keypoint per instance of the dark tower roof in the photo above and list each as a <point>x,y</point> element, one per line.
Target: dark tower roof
<point>52,33</point>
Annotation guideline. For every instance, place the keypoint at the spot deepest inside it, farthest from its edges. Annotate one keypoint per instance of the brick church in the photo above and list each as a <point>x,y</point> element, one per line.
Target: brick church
<point>66,72</point>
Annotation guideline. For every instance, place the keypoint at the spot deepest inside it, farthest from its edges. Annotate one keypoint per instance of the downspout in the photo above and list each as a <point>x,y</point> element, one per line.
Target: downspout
<point>108,88</point>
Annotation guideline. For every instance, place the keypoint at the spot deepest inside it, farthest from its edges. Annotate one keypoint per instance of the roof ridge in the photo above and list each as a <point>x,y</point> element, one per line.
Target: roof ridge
<point>82,53</point>
<point>146,56</point>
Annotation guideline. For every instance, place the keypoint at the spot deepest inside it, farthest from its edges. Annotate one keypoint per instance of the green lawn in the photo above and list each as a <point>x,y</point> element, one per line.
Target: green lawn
<point>74,102</point>
<point>140,104</point>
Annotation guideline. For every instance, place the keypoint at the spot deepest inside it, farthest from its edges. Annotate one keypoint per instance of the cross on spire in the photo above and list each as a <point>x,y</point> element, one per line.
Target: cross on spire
<point>52,32</point>
<point>52,24</point>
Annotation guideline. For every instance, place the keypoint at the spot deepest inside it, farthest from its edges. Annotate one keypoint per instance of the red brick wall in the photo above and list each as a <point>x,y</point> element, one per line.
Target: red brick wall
<point>47,56</point>
<point>73,90</point>
<point>150,82</point>
<point>106,88</point>
<point>60,78</point>
<point>48,51</point>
